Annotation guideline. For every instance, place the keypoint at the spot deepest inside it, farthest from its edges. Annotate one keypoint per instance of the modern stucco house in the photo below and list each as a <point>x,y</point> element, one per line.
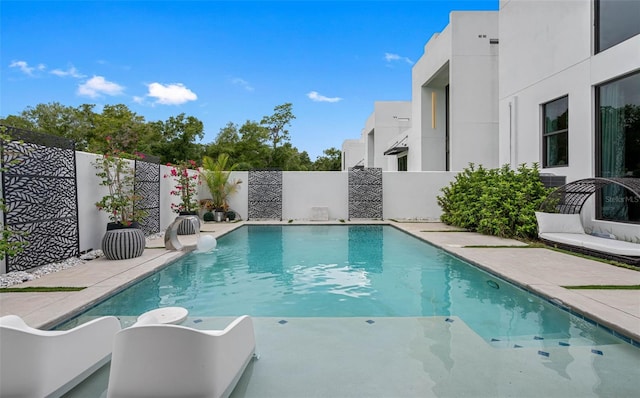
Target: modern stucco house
<point>385,132</point>
<point>569,96</point>
<point>452,118</point>
<point>454,93</point>
<point>555,83</point>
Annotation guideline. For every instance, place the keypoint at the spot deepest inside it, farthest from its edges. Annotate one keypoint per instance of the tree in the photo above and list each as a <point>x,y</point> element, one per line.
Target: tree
<point>127,130</point>
<point>276,123</point>
<point>252,149</point>
<point>331,161</point>
<point>57,119</point>
<point>287,157</point>
<point>179,134</point>
<point>226,142</point>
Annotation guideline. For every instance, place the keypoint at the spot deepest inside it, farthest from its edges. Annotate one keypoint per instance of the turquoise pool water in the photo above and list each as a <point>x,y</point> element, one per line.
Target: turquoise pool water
<point>370,311</point>
<point>347,271</point>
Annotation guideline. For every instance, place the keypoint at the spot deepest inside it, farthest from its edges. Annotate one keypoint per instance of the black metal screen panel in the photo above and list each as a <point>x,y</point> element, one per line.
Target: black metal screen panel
<point>365,193</point>
<point>570,198</point>
<point>147,186</point>
<point>265,195</point>
<point>40,194</point>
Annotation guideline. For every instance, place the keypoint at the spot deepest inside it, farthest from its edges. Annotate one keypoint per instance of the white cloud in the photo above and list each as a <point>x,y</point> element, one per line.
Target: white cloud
<point>25,68</point>
<point>390,57</point>
<point>97,86</point>
<point>242,83</point>
<point>315,97</point>
<point>72,71</point>
<point>171,94</point>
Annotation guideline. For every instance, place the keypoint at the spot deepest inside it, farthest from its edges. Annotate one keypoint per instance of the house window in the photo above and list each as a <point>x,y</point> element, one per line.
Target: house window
<point>616,21</point>
<point>618,146</point>
<point>555,135</point>
<point>402,163</point>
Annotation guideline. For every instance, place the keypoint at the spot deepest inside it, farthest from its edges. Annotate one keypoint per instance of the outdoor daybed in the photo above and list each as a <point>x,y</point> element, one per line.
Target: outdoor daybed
<point>560,225</point>
<point>565,231</point>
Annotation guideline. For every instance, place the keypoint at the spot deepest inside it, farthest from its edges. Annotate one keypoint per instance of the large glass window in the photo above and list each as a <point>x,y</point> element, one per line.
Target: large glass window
<point>555,135</point>
<point>618,139</point>
<point>616,21</point>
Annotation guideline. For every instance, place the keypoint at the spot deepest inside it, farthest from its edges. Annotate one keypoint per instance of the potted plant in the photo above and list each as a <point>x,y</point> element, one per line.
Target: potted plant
<point>207,205</point>
<point>123,239</point>
<point>217,175</point>
<point>186,190</point>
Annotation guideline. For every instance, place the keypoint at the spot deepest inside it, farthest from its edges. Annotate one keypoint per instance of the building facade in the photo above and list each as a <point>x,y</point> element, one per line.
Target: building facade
<point>556,83</point>
<point>454,96</point>
<point>569,96</point>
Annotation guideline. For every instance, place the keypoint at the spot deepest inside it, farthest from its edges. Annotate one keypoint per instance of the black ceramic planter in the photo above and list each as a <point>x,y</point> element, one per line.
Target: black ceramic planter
<point>189,226</point>
<point>123,243</point>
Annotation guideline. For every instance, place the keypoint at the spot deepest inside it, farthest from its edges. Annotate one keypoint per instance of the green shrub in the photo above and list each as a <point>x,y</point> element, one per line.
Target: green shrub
<point>208,216</point>
<point>497,202</point>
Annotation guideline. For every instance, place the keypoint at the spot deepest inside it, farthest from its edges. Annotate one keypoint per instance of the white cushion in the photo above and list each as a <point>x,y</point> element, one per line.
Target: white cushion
<point>564,223</point>
<point>595,243</point>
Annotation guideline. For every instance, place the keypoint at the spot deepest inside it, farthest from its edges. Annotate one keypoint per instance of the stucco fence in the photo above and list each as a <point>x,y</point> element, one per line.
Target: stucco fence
<point>405,195</point>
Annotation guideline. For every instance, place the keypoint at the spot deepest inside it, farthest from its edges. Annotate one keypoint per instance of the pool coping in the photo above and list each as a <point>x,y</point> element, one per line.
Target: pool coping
<point>104,278</point>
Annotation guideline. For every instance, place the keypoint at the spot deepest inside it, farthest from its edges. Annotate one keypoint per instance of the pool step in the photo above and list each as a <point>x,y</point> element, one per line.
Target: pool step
<point>538,341</point>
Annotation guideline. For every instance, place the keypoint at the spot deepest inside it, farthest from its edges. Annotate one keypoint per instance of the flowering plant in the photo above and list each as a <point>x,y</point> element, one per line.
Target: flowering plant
<point>186,186</point>
<point>119,177</point>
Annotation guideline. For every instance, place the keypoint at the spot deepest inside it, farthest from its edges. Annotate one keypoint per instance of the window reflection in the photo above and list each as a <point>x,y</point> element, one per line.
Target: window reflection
<point>617,21</point>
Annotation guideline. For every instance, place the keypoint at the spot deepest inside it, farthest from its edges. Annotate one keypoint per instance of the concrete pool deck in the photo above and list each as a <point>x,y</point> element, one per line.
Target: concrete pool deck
<point>540,270</point>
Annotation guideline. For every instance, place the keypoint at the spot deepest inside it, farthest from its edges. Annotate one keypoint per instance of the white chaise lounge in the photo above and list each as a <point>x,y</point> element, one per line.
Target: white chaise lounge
<point>154,360</point>
<point>566,230</point>
<point>39,363</point>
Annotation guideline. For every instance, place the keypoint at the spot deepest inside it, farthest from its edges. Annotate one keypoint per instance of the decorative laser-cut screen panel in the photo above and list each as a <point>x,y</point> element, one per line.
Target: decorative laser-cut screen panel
<point>265,194</point>
<point>40,194</point>
<point>148,187</point>
<point>365,193</point>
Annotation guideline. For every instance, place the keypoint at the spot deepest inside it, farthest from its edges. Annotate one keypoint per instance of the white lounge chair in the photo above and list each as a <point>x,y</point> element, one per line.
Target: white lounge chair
<point>39,363</point>
<point>176,361</point>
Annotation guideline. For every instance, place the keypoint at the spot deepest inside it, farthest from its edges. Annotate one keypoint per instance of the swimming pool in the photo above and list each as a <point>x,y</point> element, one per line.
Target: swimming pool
<point>350,281</point>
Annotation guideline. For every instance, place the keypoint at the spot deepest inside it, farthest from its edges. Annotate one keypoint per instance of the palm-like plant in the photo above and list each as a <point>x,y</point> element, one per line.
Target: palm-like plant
<point>217,175</point>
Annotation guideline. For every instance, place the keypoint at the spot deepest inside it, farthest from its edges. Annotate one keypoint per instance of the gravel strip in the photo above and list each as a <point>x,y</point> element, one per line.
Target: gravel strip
<point>17,277</point>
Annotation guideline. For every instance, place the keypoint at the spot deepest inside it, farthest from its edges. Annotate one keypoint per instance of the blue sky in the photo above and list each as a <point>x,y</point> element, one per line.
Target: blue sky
<point>221,61</point>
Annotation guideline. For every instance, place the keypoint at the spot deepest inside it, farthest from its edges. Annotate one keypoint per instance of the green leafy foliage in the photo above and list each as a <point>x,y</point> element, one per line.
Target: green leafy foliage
<point>118,176</point>
<point>254,145</point>
<point>217,176</point>
<point>10,240</point>
<point>499,202</point>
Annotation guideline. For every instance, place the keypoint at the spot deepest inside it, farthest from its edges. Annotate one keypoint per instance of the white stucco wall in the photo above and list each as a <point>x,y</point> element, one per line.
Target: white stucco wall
<point>92,222</point>
<point>546,53</point>
<point>388,120</point>
<point>412,195</point>
<point>353,153</point>
<point>405,195</point>
<point>302,190</point>
<point>463,57</point>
